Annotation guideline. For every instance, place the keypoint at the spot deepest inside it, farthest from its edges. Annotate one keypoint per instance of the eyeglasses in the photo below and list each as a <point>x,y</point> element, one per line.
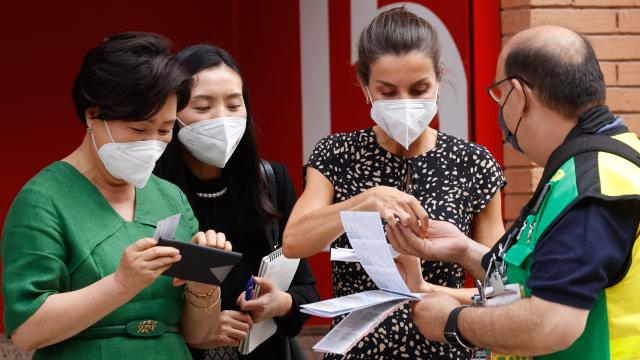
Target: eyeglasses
<point>494,90</point>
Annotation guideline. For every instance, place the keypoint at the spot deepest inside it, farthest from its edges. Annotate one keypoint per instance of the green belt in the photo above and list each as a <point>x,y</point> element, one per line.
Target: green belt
<point>136,328</point>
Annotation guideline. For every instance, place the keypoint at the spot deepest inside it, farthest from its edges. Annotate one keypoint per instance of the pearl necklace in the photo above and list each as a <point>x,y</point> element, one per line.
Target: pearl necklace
<point>212,195</point>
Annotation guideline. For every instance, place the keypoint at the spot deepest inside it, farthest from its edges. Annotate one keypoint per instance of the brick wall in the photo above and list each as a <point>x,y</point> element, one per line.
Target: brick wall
<point>613,27</point>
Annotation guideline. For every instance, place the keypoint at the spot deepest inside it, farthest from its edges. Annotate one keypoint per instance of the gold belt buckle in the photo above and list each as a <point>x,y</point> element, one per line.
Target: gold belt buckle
<point>146,328</point>
<point>495,356</point>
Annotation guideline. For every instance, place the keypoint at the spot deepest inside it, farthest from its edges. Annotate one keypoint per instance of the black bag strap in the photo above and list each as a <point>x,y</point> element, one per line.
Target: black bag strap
<point>580,145</point>
<point>272,229</point>
<point>575,146</point>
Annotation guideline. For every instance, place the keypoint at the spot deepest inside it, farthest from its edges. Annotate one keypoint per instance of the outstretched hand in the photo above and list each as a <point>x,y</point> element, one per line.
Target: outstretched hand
<point>443,242</point>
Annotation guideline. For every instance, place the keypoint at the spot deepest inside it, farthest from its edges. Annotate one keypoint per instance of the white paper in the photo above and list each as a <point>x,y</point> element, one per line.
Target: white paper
<point>349,255</point>
<point>502,300</point>
<point>281,272</point>
<point>366,235</point>
<point>354,327</point>
<point>166,228</point>
<point>345,304</point>
<point>345,255</point>
<point>369,308</point>
<point>259,333</point>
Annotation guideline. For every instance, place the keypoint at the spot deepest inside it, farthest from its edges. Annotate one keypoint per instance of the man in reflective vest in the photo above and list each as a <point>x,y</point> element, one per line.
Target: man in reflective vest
<point>564,281</point>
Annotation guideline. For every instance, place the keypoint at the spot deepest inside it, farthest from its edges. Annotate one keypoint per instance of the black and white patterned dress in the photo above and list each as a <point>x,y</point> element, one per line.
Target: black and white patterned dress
<point>454,181</point>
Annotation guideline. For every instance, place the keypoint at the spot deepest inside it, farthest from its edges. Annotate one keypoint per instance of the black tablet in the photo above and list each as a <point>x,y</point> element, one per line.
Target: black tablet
<point>199,263</point>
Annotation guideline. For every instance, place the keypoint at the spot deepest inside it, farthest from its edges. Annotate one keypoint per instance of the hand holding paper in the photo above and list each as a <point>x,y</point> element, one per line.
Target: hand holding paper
<point>271,302</point>
<point>210,239</point>
<point>397,207</point>
<point>270,298</point>
<point>207,259</point>
<point>368,308</point>
<point>232,328</point>
<point>367,238</point>
<point>142,263</point>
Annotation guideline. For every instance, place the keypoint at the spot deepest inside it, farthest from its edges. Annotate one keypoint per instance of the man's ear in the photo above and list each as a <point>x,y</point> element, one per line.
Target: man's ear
<point>519,96</point>
<point>363,87</point>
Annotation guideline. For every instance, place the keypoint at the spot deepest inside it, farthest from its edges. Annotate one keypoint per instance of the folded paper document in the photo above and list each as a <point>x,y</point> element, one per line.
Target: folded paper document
<point>346,304</point>
<point>354,326</point>
<point>366,309</point>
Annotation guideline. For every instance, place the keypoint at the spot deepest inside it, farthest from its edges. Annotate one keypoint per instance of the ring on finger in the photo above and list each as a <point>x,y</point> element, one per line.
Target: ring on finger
<point>138,245</point>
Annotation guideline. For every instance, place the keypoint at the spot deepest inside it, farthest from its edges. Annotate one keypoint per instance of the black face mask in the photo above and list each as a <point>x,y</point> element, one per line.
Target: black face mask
<point>508,136</point>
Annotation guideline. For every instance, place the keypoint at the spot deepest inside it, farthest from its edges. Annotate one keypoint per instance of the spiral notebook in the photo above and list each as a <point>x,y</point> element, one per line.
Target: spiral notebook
<point>280,270</point>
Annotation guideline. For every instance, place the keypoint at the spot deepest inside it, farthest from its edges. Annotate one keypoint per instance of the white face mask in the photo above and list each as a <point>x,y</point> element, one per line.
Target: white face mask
<point>213,141</point>
<point>404,120</point>
<point>133,161</point>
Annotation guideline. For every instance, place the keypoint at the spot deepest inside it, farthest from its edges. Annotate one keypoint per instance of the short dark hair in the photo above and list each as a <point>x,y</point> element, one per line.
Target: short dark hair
<point>248,193</point>
<point>129,76</point>
<point>396,31</point>
<point>566,86</point>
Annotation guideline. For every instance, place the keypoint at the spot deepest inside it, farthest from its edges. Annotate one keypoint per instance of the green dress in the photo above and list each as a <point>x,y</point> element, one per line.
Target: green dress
<point>61,235</point>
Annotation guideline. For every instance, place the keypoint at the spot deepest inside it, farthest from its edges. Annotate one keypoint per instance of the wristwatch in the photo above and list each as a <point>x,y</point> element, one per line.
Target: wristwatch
<point>451,333</point>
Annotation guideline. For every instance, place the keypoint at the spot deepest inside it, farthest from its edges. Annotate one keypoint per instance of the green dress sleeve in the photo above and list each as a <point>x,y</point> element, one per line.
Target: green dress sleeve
<point>187,214</point>
<point>33,256</point>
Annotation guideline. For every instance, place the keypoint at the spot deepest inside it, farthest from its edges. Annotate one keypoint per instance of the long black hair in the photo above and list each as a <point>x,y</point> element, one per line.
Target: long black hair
<point>247,189</point>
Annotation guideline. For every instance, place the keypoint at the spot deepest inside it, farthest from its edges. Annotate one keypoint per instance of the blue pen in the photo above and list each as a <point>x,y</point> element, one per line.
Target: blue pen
<point>248,295</point>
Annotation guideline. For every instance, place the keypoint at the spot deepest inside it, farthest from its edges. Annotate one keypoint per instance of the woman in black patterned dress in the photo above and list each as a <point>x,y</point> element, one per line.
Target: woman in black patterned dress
<point>403,169</point>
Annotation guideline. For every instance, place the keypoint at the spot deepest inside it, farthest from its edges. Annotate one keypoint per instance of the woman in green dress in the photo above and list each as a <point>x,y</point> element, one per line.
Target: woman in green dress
<point>81,270</point>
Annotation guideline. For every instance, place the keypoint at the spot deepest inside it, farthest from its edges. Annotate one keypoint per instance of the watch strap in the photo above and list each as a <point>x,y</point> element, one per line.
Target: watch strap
<point>451,333</point>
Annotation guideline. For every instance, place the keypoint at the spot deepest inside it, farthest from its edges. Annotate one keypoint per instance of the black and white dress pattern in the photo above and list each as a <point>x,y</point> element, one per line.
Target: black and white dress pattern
<point>454,181</point>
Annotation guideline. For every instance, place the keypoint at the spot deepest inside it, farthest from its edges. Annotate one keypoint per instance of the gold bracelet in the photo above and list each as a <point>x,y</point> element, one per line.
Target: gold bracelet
<point>202,296</point>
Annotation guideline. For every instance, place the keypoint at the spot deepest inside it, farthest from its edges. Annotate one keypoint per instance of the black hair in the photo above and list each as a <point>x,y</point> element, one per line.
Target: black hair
<point>246,197</point>
<point>128,76</point>
<point>562,83</point>
<point>397,31</point>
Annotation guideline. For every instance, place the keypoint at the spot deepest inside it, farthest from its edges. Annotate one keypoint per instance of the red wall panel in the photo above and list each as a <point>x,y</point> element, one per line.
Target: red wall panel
<point>43,46</point>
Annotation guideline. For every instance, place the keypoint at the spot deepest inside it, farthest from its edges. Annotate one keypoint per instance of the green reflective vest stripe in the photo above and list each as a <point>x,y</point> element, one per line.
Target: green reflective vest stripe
<point>613,326</point>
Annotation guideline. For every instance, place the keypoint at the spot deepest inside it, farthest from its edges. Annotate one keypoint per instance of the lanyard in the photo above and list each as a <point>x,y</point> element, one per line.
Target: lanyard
<point>496,274</point>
